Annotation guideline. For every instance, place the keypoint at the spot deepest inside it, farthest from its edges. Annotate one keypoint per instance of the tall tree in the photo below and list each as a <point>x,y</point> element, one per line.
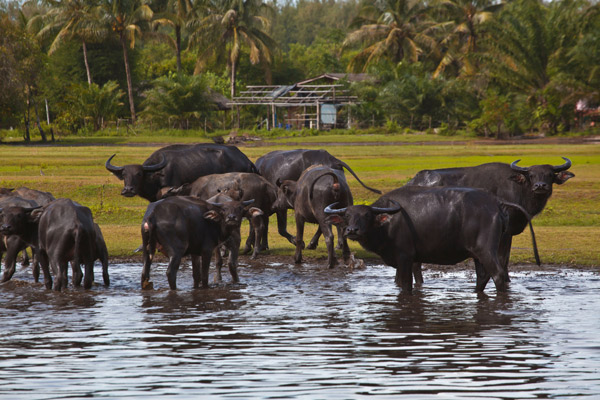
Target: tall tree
<point>127,20</point>
<point>224,27</point>
<point>68,19</point>
<point>389,29</point>
<point>461,22</point>
<point>176,14</point>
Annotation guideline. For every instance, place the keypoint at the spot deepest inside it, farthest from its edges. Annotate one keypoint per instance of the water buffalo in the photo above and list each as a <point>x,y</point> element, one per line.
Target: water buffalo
<point>529,187</point>
<point>438,225</point>
<point>243,186</point>
<point>12,244</point>
<point>281,165</point>
<point>177,164</point>
<point>38,198</point>
<point>61,231</point>
<point>186,225</point>
<point>317,187</point>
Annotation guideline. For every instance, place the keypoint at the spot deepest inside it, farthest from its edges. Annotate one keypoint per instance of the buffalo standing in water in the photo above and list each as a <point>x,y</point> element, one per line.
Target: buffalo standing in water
<point>529,187</point>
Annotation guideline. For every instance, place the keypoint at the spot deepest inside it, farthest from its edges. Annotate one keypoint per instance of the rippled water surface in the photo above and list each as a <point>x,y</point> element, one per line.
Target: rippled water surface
<point>304,332</point>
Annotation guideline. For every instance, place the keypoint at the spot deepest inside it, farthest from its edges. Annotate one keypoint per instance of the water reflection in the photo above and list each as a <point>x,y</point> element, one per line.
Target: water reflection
<point>303,332</point>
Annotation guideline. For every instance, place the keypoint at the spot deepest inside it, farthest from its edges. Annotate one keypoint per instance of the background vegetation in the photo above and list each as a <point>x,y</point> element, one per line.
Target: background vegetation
<point>487,67</point>
<point>567,230</point>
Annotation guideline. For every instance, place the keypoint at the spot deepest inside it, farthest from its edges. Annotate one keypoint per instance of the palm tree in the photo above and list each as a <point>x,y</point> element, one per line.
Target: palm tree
<point>391,29</point>
<point>463,19</point>
<point>226,26</point>
<point>125,18</point>
<point>175,15</point>
<point>70,19</point>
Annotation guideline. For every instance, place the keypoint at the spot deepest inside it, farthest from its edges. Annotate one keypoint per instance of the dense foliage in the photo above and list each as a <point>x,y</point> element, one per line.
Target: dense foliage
<point>493,68</point>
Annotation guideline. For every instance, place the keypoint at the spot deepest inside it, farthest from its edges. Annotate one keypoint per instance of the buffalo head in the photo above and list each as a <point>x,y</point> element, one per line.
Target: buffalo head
<point>134,176</point>
<point>17,220</point>
<point>357,222</point>
<point>541,177</point>
<point>286,195</point>
<point>229,211</point>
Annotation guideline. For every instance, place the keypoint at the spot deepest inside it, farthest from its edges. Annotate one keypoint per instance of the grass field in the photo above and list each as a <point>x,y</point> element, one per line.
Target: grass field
<point>567,230</point>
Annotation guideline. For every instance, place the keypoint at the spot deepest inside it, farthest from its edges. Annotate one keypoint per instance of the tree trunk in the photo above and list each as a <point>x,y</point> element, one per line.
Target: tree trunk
<point>87,65</point>
<point>37,118</point>
<point>233,71</point>
<point>128,73</point>
<point>178,46</point>
<point>27,137</point>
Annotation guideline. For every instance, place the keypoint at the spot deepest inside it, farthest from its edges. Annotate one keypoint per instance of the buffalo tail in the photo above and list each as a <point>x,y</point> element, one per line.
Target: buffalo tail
<point>526,214</point>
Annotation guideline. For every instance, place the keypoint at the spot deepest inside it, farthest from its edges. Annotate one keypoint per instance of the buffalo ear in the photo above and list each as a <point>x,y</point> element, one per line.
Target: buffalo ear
<point>255,211</point>
<point>35,215</point>
<point>382,219</point>
<point>334,219</point>
<point>212,215</point>
<point>519,178</point>
<point>562,177</point>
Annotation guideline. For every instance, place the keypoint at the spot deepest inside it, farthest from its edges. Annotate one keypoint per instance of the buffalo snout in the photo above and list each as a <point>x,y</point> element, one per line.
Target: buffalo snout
<point>128,191</point>
<point>541,187</point>
<point>5,229</point>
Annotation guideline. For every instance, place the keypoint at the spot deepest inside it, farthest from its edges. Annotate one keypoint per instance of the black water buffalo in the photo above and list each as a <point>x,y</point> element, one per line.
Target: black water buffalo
<point>61,231</point>
<point>437,225</point>
<point>281,165</point>
<point>13,244</point>
<point>186,225</point>
<point>177,164</point>
<point>39,198</point>
<point>529,187</point>
<point>243,186</point>
<point>317,187</point>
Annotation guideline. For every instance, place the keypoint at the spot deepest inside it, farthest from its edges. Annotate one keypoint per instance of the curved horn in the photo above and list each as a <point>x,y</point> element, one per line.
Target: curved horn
<point>515,167</point>
<point>111,167</point>
<point>390,210</point>
<point>156,167</point>
<point>330,210</point>
<point>247,202</point>
<point>335,180</point>
<point>564,167</point>
<point>215,204</point>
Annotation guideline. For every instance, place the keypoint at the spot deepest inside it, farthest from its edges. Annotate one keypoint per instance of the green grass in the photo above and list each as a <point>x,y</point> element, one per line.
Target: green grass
<point>567,229</point>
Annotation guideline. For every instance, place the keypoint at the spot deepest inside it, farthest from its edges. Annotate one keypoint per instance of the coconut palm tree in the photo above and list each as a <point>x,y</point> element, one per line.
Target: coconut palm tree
<point>126,19</point>
<point>69,19</point>
<point>224,27</point>
<point>176,14</point>
<point>461,20</point>
<point>390,29</point>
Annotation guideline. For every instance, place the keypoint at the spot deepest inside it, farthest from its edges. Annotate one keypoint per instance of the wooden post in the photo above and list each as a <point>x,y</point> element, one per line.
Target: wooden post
<point>274,115</point>
<point>318,116</point>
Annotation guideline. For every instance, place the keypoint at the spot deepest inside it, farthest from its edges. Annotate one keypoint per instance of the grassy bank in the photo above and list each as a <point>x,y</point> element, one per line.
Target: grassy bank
<point>567,229</point>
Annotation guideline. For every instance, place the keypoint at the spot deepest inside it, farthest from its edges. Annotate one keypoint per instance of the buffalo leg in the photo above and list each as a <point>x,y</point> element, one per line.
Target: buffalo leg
<point>232,261</point>
<point>172,268</point>
<point>77,274</point>
<point>219,262</point>
<point>492,268</point>
<point>299,239</point>
<point>504,254</point>
<point>196,271</point>
<point>264,240</point>
<point>25,259</point>
<point>482,276</point>
<point>105,276</point>
<point>205,267</point>
<point>60,274</point>
<point>314,242</point>
<point>88,280</point>
<point>36,265</point>
<point>259,226</point>
<point>10,261</point>
<point>404,276</point>
<point>42,257</point>
<point>417,272</point>
<point>282,227</point>
<point>329,239</point>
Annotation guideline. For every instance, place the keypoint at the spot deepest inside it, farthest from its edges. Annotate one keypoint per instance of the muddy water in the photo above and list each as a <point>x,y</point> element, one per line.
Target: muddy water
<point>304,333</point>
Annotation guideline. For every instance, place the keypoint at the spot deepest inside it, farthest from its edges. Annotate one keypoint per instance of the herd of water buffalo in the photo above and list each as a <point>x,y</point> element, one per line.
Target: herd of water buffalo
<point>199,194</point>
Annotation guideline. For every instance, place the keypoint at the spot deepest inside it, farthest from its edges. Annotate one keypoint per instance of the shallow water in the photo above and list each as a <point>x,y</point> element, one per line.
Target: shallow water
<point>304,333</point>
